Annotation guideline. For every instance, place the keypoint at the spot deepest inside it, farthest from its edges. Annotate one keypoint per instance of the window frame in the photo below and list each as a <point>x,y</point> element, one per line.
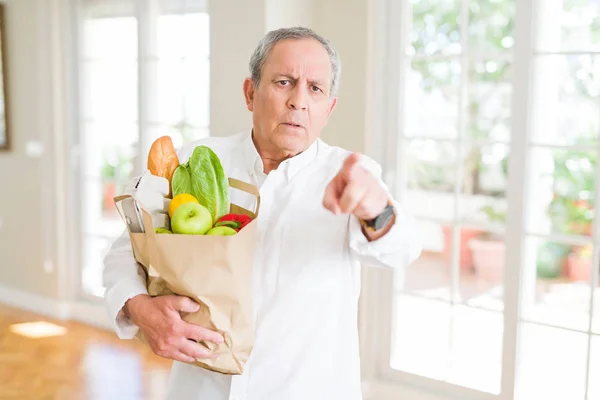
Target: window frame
<point>389,66</point>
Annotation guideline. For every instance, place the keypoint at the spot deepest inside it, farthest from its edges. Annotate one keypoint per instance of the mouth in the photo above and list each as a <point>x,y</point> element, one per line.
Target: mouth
<point>292,124</point>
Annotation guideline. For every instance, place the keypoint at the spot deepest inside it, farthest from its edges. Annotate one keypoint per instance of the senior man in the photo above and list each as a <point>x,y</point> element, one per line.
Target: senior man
<point>324,212</point>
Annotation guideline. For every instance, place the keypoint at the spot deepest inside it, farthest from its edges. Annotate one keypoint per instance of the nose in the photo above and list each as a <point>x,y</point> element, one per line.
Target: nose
<point>298,99</point>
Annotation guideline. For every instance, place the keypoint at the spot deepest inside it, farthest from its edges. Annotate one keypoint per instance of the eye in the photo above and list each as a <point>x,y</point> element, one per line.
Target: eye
<point>283,82</point>
<point>316,89</point>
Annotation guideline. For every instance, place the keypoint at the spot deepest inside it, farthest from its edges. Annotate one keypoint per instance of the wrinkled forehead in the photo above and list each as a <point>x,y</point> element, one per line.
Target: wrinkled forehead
<point>299,58</point>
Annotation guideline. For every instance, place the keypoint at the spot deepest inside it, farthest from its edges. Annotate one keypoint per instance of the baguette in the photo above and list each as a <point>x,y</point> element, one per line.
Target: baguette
<point>162,159</point>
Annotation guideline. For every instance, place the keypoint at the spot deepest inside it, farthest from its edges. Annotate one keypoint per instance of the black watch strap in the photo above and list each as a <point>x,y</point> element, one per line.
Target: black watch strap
<point>381,220</point>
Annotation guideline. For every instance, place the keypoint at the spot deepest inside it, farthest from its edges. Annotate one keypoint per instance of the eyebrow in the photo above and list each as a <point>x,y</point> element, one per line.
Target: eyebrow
<point>312,82</point>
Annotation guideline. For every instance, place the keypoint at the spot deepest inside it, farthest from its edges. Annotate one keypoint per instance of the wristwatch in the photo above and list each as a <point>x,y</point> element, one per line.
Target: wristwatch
<point>381,220</point>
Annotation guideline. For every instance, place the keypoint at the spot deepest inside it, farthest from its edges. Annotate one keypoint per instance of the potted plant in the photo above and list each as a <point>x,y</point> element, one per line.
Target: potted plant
<point>579,263</point>
<point>437,175</point>
<point>109,190</point>
<point>552,259</point>
<point>571,210</point>
<point>115,171</point>
<point>488,249</point>
<point>466,235</point>
<point>571,215</point>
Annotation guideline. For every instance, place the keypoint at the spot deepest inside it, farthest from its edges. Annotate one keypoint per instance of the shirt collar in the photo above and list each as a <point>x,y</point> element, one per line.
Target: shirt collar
<point>253,161</point>
<point>290,167</point>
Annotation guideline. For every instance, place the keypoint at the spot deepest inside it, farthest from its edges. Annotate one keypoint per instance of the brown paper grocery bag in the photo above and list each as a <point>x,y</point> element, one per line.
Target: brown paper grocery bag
<point>216,272</point>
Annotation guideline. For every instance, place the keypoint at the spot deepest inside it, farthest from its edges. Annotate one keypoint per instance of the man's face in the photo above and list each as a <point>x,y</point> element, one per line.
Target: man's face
<point>292,103</point>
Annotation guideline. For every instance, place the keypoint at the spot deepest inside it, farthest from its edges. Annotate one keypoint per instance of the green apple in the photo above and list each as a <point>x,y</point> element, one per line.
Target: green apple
<point>162,230</point>
<point>191,219</point>
<point>222,231</point>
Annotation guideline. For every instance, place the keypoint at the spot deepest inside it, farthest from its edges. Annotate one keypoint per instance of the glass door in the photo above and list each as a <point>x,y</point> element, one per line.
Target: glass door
<point>498,306</point>
<point>144,73</point>
<point>109,129</point>
<point>454,140</point>
<point>559,344</point>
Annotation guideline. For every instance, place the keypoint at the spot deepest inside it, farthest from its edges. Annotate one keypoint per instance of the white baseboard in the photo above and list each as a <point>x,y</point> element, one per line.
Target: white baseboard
<point>87,313</point>
<point>95,315</point>
<point>379,390</point>
<point>35,303</point>
<point>386,390</point>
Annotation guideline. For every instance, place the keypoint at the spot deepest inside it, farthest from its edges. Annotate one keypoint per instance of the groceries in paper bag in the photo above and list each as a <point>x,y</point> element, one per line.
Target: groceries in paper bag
<point>199,189</point>
<point>199,245</point>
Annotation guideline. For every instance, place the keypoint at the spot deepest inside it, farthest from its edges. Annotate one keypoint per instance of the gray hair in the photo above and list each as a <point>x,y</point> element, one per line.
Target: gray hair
<point>273,37</point>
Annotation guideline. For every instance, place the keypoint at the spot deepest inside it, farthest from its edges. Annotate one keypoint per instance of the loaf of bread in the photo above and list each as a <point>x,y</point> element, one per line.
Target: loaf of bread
<point>162,159</point>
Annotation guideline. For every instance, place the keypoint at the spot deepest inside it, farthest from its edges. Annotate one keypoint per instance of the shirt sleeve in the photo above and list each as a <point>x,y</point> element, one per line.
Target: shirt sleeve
<point>400,246</point>
<point>123,279</point>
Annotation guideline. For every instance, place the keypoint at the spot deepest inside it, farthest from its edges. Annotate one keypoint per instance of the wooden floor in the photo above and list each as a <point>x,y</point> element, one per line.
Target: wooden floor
<point>83,363</point>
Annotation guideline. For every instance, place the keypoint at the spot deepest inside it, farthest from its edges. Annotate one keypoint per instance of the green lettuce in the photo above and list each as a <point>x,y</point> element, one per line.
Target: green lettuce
<point>204,178</point>
<point>181,181</point>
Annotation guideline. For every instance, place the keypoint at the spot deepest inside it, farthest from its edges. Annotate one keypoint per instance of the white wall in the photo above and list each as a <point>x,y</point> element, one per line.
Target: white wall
<point>236,26</point>
<point>31,215</point>
<point>230,49</point>
<point>345,24</point>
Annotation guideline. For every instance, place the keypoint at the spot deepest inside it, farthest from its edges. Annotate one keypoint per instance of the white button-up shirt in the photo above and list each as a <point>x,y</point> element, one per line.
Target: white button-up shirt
<point>306,280</point>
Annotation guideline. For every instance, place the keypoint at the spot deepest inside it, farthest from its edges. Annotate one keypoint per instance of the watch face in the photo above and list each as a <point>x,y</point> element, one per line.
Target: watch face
<point>382,219</point>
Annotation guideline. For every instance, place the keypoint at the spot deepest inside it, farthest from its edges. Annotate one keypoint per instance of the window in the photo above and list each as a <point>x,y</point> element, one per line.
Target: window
<point>144,73</point>
<point>454,319</point>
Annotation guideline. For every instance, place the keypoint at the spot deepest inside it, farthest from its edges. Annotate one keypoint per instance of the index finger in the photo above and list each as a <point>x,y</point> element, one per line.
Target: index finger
<point>348,167</point>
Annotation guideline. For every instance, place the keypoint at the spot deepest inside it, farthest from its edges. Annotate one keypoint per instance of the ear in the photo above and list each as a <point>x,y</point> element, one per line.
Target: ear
<point>331,106</point>
<point>249,93</point>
